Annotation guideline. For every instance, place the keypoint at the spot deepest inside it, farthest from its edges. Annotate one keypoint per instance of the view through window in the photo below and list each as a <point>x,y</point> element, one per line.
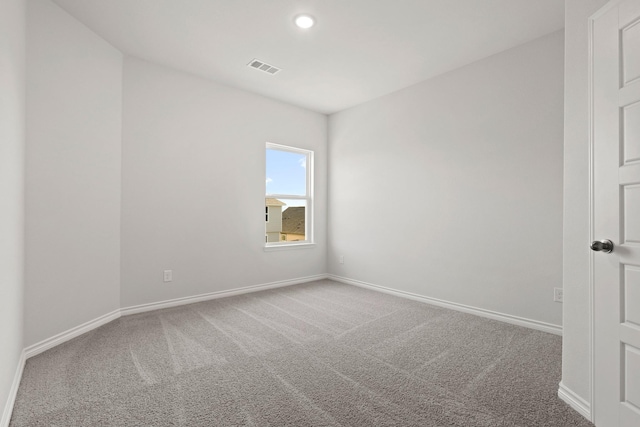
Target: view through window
<point>288,200</point>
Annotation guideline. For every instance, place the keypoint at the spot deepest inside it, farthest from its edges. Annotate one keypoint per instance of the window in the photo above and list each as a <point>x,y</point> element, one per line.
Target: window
<point>288,196</point>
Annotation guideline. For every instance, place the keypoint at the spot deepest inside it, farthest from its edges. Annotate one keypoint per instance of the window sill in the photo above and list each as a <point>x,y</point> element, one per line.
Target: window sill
<point>285,247</point>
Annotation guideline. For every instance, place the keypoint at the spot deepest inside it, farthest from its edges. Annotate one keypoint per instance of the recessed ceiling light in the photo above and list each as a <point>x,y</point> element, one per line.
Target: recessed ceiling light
<point>305,21</point>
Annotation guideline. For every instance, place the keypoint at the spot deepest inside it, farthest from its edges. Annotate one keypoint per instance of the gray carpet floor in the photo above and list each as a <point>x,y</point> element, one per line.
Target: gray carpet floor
<point>317,354</point>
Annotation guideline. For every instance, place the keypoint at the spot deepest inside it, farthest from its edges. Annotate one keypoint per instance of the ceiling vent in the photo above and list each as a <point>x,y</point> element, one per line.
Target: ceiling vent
<point>263,66</point>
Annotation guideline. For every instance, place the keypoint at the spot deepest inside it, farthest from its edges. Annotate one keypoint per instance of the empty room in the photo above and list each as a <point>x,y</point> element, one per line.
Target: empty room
<point>320,213</point>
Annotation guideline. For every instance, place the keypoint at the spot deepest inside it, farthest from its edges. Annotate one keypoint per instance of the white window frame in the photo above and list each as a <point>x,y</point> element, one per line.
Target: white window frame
<point>308,211</point>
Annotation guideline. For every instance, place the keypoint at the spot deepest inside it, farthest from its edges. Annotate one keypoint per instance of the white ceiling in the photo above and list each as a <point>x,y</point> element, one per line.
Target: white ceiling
<point>359,49</point>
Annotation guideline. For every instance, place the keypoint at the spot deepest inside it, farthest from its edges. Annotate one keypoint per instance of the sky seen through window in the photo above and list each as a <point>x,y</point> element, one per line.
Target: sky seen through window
<point>286,174</point>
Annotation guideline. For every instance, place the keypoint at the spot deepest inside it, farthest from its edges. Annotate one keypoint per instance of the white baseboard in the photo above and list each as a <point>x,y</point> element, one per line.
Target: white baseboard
<point>507,318</point>
<point>65,336</point>
<point>62,337</point>
<point>574,401</point>
<point>219,294</point>
<point>13,392</point>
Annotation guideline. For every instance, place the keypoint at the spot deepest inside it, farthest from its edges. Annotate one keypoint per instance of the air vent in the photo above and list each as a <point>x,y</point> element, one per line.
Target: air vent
<point>263,66</point>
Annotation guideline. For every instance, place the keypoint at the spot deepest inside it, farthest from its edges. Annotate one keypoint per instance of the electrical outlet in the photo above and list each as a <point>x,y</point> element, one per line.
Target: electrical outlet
<point>557,294</point>
<point>341,260</point>
<point>168,275</point>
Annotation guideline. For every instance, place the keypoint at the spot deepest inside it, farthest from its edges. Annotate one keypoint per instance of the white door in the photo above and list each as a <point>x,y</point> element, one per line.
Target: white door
<point>616,210</point>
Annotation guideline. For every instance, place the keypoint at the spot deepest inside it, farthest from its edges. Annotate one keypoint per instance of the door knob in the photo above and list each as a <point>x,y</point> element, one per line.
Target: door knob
<point>605,246</point>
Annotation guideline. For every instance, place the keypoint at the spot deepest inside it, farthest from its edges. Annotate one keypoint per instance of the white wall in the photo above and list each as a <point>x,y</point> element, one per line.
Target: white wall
<point>452,188</point>
<point>74,109</point>
<point>12,141</point>
<point>575,343</point>
<point>193,177</point>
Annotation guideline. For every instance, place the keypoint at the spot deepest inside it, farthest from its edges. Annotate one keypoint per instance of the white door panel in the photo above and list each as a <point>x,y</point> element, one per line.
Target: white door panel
<point>616,213</point>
